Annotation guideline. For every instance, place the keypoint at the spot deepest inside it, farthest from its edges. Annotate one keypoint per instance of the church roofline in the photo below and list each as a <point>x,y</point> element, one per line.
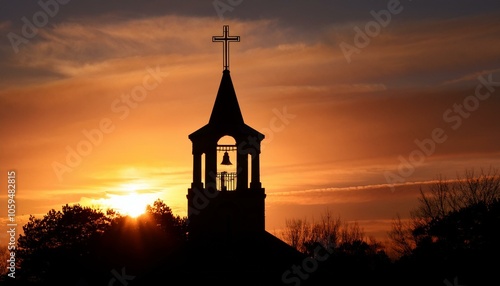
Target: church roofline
<point>240,130</point>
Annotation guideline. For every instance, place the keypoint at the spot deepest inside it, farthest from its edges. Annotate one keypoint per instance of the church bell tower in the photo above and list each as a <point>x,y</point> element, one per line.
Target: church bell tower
<point>226,198</point>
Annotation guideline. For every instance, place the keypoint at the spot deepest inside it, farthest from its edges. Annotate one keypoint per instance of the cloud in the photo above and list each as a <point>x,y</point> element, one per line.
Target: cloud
<point>428,51</point>
<point>342,195</point>
<point>90,46</point>
<point>472,77</point>
<point>405,49</point>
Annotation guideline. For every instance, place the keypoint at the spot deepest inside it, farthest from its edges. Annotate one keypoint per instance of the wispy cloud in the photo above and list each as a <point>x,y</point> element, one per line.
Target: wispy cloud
<point>471,77</point>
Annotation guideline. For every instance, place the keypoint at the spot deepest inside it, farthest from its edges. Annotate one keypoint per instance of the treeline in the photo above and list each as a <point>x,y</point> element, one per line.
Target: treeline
<point>451,238</point>
<point>354,258</point>
<point>80,245</point>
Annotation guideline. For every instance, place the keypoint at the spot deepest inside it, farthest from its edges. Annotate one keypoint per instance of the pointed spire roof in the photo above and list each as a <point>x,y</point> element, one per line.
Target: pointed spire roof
<point>226,109</point>
<point>226,117</point>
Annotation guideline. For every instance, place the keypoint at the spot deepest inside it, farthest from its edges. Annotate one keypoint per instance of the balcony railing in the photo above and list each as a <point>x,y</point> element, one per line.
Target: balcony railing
<point>226,181</point>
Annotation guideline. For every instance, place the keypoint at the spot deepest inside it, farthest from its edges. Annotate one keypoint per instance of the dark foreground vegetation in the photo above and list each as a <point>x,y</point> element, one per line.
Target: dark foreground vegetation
<point>451,239</point>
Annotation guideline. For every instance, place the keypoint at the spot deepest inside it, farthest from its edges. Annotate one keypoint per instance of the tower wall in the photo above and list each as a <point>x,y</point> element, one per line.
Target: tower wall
<point>222,215</point>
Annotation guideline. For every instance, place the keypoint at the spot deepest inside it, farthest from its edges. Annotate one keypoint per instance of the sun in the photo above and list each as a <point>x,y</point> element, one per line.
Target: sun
<point>132,202</point>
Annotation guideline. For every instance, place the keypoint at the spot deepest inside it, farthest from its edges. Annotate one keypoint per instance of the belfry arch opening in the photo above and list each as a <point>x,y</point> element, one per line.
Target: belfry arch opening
<point>226,168</point>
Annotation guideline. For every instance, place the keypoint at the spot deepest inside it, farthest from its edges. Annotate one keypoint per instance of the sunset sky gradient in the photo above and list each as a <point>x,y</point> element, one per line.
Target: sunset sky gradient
<point>335,126</point>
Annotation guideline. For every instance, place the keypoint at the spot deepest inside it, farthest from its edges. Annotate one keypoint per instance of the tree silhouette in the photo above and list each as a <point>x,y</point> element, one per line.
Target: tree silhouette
<point>84,245</point>
<point>453,229</point>
<point>402,237</point>
<point>162,215</point>
<point>4,264</point>
<point>329,232</point>
<point>348,250</point>
<point>59,239</point>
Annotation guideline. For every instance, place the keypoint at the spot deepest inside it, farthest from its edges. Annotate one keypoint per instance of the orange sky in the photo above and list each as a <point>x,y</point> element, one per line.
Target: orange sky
<point>348,123</point>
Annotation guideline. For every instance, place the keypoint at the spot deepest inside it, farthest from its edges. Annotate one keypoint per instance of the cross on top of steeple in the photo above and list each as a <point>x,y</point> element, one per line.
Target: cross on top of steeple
<point>226,39</point>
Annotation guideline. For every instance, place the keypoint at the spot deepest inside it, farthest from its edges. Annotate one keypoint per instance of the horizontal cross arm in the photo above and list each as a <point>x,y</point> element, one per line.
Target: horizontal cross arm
<point>223,39</point>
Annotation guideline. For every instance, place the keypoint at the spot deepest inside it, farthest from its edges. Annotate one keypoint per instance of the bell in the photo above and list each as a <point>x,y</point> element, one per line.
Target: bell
<point>225,159</point>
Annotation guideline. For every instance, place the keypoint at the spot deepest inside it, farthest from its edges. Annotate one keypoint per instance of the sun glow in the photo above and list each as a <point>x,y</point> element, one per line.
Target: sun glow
<point>132,202</point>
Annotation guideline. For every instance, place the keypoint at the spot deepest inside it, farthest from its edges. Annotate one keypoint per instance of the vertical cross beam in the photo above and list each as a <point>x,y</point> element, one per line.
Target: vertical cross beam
<point>226,39</point>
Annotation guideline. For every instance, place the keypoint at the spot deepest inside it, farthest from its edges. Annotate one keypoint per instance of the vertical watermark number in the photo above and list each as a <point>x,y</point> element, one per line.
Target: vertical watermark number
<point>11,224</point>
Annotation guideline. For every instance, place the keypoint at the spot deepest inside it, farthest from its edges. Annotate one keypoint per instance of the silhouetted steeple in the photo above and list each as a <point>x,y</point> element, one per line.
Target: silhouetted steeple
<point>236,194</point>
